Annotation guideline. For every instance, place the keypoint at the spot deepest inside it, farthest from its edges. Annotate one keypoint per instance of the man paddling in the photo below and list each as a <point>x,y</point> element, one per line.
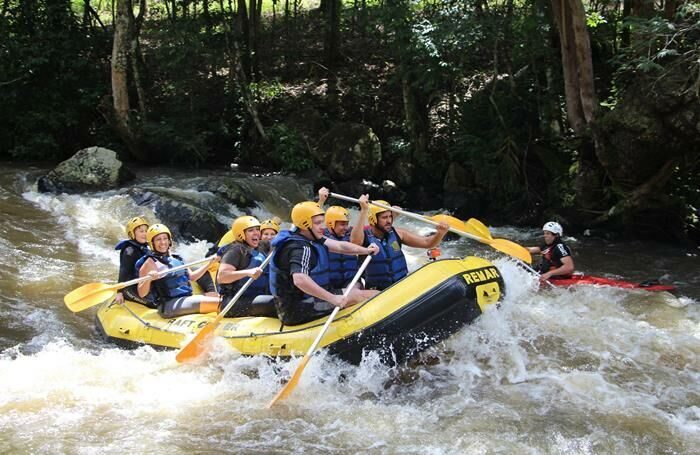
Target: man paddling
<point>389,265</point>
<point>342,267</point>
<point>299,270</point>
<point>556,255</point>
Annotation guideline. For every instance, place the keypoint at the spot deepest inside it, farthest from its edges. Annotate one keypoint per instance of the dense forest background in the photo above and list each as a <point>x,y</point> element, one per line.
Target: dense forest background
<point>516,111</point>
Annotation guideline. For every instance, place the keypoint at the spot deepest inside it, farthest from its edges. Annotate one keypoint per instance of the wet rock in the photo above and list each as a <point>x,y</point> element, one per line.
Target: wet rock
<point>307,121</point>
<point>466,203</point>
<point>186,218</point>
<point>231,190</point>
<point>349,151</point>
<point>91,169</point>
<point>461,194</point>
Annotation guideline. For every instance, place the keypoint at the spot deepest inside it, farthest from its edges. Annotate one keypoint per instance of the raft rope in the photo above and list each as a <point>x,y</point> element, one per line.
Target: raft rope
<point>162,329</point>
<point>145,323</point>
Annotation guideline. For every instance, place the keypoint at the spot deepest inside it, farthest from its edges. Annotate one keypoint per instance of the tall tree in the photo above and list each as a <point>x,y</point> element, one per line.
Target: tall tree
<point>581,99</point>
<point>331,42</point>
<point>126,56</point>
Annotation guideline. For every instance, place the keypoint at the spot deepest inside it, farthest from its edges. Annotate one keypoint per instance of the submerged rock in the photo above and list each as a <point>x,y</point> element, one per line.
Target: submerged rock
<point>91,169</point>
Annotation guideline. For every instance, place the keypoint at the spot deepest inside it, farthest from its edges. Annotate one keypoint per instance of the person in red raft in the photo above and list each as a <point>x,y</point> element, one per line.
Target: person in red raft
<point>557,261</point>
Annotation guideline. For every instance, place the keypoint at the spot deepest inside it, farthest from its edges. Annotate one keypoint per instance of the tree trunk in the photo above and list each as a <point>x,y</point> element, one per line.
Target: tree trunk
<point>331,43</point>
<point>120,116</point>
<point>573,47</point>
<point>670,7</point>
<point>626,11</point>
<point>239,78</point>
<point>120,64</point>
<point>253,40</point>
<point>643,8</point>
<point>206,16</point>
<point>581,100</point>
<point>416,115</point>
<point>86,13</point>
<point>244,27</point>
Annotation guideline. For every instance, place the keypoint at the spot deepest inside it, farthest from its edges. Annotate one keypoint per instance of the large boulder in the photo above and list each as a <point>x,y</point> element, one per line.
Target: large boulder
<point>349,151</point>
<point>308,122</point>
<point>645,146</point>
<point>188,219</point>
<point>231,190</point>
<point>91,169</point>
<point>461,195</point>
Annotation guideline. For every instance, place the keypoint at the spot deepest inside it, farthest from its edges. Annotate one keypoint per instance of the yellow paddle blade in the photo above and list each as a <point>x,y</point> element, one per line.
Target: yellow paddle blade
<point>511,249</point>
<point>453,222</point>
<point>198,345</point>
<point>291,385</point>
<point>477,228</point>
<point>89,295</point>
<point>226,239</point>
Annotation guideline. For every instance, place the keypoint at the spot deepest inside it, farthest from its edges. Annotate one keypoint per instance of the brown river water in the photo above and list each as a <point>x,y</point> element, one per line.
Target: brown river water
<point>590,370</point>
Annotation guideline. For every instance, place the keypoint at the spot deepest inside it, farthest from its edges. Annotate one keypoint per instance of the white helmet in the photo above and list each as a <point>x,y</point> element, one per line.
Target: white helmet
<point>553,227</point>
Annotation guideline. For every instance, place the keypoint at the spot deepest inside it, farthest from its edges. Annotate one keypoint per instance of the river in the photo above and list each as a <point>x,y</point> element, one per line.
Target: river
<point>590,370</point>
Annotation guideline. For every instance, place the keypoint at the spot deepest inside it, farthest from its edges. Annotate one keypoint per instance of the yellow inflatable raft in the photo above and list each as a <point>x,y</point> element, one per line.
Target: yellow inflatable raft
<point>415,313</point>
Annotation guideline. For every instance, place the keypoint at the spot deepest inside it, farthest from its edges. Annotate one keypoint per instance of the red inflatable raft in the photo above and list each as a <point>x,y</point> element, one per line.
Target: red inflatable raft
<point>577,279</point>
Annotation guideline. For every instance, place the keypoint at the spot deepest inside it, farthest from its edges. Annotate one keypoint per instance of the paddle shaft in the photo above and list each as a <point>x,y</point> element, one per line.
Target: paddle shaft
<point>197,345</point>
<point>164,272</point>
<point>415,216</point>
<point>294,379</point>
<point>357,276</point>
<point>502,245</point>
<point>534,272</point>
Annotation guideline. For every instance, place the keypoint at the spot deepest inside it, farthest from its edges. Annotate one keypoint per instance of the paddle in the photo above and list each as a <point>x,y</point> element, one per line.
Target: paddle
<point>92,294</point>
<point>502,245</point>
<point>477,228</point>
<point>291,385</point>
<point>198,345</point>
<point>450,220</point>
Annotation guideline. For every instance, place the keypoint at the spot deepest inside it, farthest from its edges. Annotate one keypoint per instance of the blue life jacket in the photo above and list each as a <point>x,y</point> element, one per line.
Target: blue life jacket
<point>139,246</point>
<point>128,272</point>
<point>320,274</point>
<point>172,285</point>
<point>343,267</point>
<point>142,250</point>
<point>261,286</point>
<point>389,265</point>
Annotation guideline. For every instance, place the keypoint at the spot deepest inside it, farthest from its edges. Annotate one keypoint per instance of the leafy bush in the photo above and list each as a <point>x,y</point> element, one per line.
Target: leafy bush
<point>289,150</point>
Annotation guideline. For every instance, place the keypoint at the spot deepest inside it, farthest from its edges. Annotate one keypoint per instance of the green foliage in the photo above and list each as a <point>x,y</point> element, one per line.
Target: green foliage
<point>288,149</point>
<point>658,45</point>
<point>266,90</point>
<point>594,19</point>
<point>51,71</point>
